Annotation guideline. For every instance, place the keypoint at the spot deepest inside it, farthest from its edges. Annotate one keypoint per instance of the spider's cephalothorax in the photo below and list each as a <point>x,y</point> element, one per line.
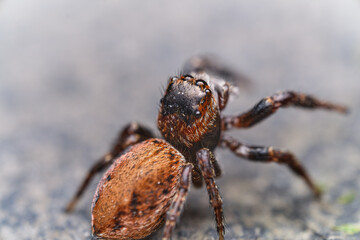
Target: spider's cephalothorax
<point>189,116</point>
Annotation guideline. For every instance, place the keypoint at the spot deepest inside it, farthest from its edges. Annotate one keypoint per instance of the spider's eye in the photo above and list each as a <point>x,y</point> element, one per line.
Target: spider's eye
<point>197,114</point>
<point>201,83</point>
<point>188,77</point>
<point>161,100</point>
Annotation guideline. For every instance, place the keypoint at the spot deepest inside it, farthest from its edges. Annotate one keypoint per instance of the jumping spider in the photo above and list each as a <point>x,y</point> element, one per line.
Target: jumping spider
<point>149,177</point>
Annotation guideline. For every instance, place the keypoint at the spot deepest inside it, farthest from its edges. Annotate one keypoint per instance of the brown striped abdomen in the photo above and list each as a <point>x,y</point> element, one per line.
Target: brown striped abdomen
<point>135,193</point>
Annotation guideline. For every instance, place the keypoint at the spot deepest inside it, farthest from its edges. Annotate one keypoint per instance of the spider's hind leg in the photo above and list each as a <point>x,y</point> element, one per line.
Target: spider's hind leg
<point>131,134</point>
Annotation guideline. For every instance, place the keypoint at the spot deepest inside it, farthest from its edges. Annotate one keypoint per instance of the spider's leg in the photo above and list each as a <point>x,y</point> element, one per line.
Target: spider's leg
<point>178,202</point>
<point>223,96</point>
<point>197,177</point>
<point>130,135</point>
<point>270,154</point>
<point>270,105</point>
<point>216,166</point>
<point>204,158</point>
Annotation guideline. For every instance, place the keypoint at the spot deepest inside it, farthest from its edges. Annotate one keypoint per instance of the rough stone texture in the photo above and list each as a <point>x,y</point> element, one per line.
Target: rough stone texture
<point>72,73</point>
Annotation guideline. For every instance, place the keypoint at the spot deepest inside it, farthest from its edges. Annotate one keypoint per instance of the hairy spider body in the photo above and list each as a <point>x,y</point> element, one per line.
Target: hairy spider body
<point>189,116</point>
<point>189,119</point>
<point>135,193</point>
<point>152,178</point>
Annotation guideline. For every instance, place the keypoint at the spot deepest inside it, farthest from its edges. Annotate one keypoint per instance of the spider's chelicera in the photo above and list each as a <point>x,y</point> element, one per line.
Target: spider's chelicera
<point>148,182</point>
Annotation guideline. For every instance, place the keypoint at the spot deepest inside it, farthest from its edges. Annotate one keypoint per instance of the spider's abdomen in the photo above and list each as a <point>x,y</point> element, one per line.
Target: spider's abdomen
<point>135,193</point>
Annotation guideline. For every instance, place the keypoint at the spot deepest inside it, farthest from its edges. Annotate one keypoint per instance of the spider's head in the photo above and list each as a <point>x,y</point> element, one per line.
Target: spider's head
<point>186,98</point>
<point>188,110</point>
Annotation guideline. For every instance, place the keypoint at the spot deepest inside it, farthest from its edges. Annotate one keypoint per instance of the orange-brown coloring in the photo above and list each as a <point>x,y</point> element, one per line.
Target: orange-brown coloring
<point>135,193</point>
<point>186,129</point>
<point>152,178</point>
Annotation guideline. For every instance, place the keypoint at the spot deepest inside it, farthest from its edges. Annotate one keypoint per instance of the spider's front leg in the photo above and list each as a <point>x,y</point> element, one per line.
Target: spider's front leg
<point>133,133</point>
<point>270,154</point>
<point>205,158</point>
<point>270,105</point>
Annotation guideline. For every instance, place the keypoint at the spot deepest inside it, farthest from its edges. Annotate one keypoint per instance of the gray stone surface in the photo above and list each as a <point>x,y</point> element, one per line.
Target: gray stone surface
<point>72,73</point>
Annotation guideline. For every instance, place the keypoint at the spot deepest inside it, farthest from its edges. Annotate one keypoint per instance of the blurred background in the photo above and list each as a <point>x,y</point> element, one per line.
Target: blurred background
<point>72,73</point>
